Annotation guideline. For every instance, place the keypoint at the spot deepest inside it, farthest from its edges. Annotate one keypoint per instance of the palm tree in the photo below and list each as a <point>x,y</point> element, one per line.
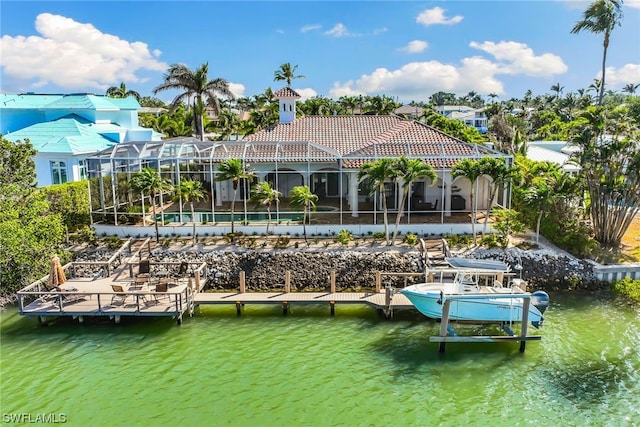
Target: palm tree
<point>375,175</point>
<point>189,191</point>
<point>409,171</point>
<point>557,89</point>
<point>493,96</point>
<point>302,197</point>
<point>234,170</point>
<point>197,86</point>
<point>545,190</point>
<point>630,88</point>
<point>471,170</point>
<point>500,173</point>
<point>148,181</point>
<point>122,92</point>
<point>287,73</point>
<point>263,194</point>
<point>601,17</point>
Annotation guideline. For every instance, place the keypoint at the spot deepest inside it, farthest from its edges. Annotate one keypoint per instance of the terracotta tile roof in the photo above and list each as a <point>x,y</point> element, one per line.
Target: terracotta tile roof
<point>286,92</point>
<point>358,137</point>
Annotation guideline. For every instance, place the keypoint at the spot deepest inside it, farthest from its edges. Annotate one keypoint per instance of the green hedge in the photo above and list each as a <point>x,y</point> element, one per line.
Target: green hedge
<point>630,288</point>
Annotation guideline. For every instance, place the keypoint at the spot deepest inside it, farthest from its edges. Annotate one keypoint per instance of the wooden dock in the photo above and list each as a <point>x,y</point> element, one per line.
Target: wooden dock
<point>115,291</point>
<point>119,289</point>
<point>386,301</point>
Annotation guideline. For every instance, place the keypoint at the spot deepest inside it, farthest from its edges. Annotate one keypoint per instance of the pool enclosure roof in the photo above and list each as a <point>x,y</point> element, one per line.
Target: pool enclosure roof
<point>437,154</point>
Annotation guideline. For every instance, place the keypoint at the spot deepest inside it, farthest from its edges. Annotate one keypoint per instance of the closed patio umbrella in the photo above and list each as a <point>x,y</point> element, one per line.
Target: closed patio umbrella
<point>56,274</point>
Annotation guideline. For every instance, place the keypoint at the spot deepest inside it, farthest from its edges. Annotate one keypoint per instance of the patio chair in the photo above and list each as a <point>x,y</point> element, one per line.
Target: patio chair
<point>161,288</point>
<point>144,268</point>
<point>120,295</point>
<point>183,270</point>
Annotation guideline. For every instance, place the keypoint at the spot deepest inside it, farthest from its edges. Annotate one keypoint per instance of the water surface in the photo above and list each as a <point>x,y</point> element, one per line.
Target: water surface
<point>264,369</point>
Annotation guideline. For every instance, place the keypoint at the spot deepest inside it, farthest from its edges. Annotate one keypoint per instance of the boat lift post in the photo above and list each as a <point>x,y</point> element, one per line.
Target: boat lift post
<point>447,334</point>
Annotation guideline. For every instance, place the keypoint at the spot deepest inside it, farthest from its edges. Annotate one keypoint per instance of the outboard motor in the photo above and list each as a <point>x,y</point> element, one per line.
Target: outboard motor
<point>540,300</point>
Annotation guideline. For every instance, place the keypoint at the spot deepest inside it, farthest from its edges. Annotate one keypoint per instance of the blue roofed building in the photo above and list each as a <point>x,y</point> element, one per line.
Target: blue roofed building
<point>66,129</point>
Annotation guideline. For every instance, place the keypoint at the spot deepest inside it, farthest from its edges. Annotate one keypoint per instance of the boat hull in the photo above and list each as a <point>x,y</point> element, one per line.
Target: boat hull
<point>486,309</point>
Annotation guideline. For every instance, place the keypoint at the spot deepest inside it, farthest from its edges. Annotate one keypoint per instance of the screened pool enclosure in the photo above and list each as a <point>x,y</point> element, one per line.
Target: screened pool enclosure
<point>332,176</point>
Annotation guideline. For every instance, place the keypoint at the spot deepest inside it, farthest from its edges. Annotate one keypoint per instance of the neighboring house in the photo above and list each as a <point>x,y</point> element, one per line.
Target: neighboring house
<point>474,117</point>
<point>65,129</point>
<point>409,111</point>
<point>558,152</point>
<point>154,111</point>
<point>321,152</point>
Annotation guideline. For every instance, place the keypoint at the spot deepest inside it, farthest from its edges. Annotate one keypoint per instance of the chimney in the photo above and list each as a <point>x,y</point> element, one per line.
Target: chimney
<point>287,104</point>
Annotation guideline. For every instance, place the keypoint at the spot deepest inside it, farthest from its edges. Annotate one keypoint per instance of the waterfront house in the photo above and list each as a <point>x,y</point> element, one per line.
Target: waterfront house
<point>474,117</point>
<point>322,152</point>
<point>65,129</point>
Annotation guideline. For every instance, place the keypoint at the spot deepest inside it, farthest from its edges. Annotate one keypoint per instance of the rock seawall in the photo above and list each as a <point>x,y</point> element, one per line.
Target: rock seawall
<point>355,270</point>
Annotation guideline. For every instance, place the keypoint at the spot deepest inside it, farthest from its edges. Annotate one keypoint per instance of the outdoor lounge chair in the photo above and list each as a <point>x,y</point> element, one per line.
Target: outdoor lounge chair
<point>120,295</point>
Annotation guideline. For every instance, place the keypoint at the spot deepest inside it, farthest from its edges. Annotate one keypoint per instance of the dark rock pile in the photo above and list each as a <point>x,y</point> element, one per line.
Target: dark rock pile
<point>310,271</point>
<point>546,269</point>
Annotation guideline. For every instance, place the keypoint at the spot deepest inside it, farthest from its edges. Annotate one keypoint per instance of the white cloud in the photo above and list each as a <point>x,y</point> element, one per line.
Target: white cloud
<point>379,31</point>
<point>310,28</point>
<point>436,16</point>
<point>279,31</point>
<point>632,3</point>
<point>339,30</point>
<point>415,46</point>
<point>419,80</point>
<point>518,58</point>
<point>306,93</point>
<point>629,73</point>
<point>74,55</point>
<point>237,89</point>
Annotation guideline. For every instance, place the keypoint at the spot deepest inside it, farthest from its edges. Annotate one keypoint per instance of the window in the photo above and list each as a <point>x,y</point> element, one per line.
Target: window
<point>82,167</point>
<point>58,172</point>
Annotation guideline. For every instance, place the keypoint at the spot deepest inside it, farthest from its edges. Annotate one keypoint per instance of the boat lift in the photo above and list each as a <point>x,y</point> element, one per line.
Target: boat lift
<point>448,334</point>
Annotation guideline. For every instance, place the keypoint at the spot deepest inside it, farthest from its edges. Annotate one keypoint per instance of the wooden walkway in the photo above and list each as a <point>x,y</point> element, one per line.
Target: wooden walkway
<point>385,301</point>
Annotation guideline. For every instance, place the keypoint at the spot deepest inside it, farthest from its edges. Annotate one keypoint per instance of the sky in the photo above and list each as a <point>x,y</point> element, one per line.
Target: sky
<point>404,49</point>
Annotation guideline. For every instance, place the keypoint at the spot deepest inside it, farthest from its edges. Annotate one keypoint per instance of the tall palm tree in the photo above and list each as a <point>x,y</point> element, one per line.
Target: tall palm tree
<point>263,194</point>
<point>302,197</point>
<point>601,17</point>
<point>148,181</point>
<point>122,92</point>
<point>234,170</point>
<point>557,89</point>
<point>189,191</point>
<point>500,173</point>
<point>196,90</point>
<point>409,171</point>
<point>375,175</point>
<point>471,170</point>
<point>630,88</point>
<point>287,73</point>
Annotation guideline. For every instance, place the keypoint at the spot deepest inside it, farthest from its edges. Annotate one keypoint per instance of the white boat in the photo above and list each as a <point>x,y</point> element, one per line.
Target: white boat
<point>478,296</point>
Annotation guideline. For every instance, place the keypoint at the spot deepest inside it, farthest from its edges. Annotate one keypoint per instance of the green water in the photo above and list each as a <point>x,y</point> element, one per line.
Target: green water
<point>309,369</point>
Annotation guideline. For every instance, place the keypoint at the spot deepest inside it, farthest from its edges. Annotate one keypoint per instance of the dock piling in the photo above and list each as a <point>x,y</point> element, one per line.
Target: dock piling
<point>243,287</point>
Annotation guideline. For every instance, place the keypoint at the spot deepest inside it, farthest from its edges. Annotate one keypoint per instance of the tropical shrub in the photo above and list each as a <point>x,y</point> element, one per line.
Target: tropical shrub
<point>410,239</point>
<point>343,237</point>
<point>628,287</point>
